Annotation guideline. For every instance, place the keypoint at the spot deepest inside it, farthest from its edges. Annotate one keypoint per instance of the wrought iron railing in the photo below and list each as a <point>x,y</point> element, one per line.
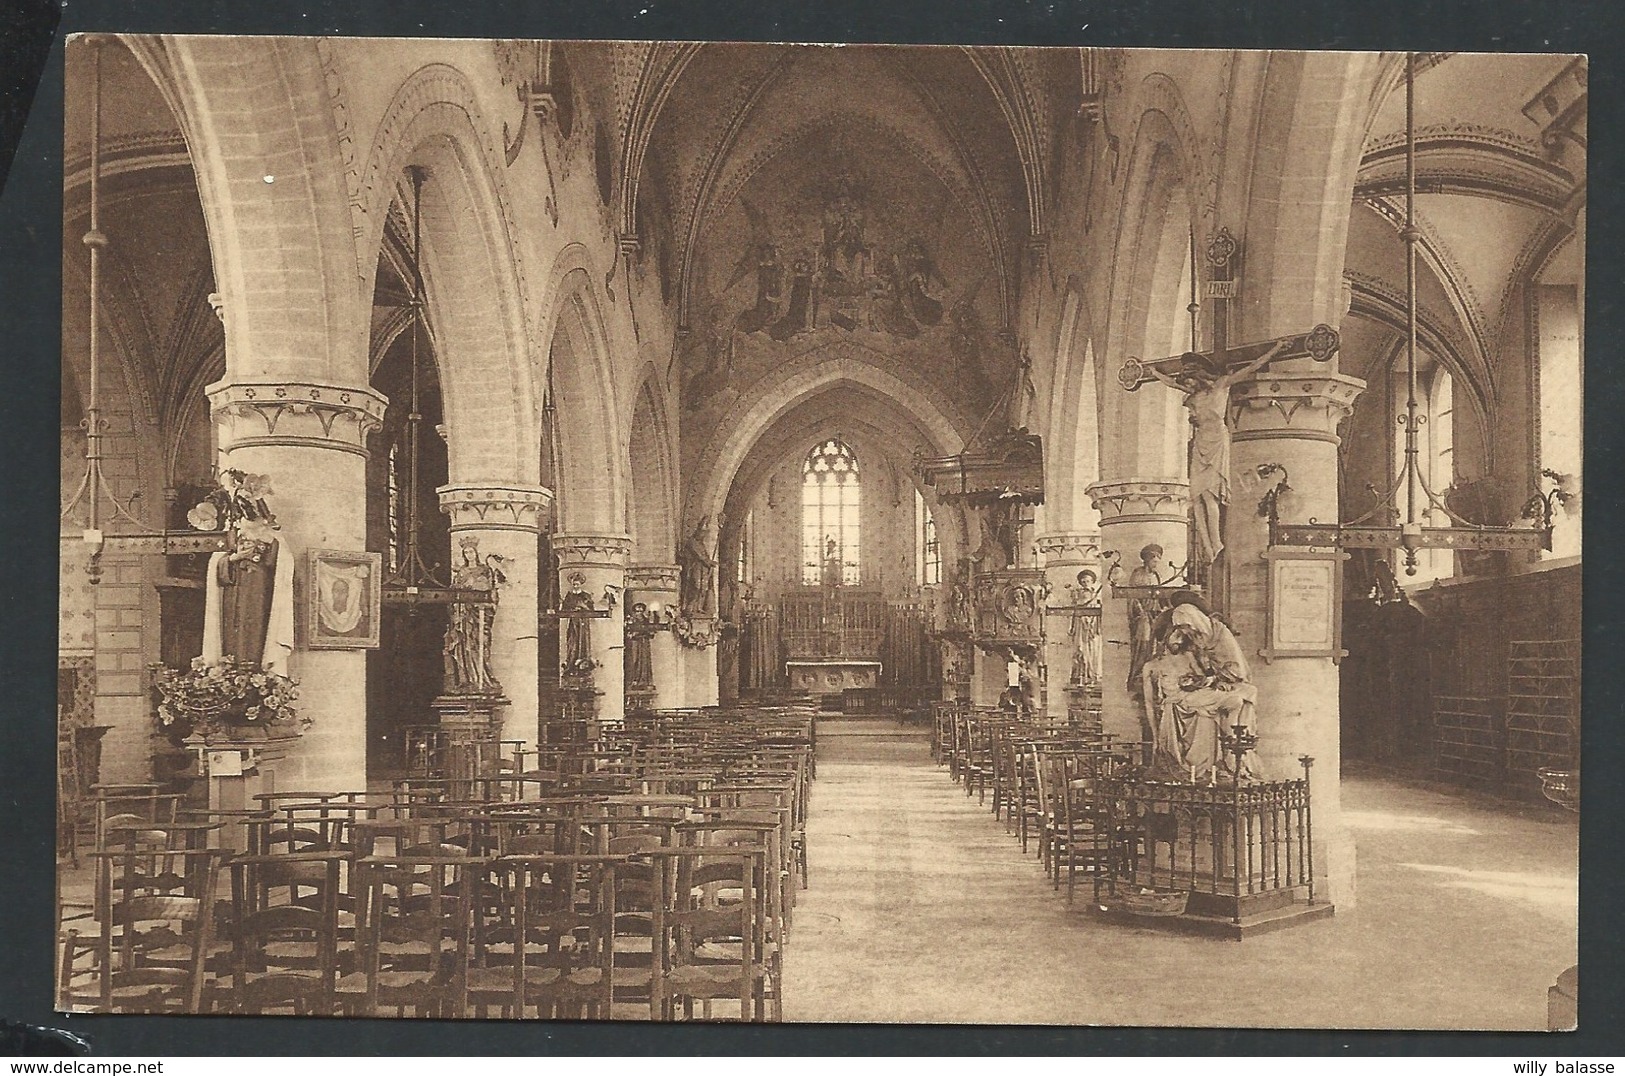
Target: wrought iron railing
<point>1227,840</point>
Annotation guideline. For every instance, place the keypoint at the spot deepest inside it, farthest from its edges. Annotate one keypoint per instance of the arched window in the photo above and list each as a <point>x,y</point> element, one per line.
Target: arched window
<point>829,515</point>
<point>1561,406</point>
<point>929,549</point>
<point>1436,458</point>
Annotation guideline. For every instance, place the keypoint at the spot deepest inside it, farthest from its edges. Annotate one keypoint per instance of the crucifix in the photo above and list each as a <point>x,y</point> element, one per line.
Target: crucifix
<point>1205,379</point>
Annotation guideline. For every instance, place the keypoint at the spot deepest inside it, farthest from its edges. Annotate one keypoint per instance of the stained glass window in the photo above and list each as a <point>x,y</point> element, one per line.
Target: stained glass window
<point>830,505</point>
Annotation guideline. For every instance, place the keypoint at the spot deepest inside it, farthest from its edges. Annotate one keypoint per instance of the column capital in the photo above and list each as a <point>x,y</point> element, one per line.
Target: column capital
<point>309,413</point>
<point>665,578</point>
<point>1141,500</point>
<point>1062,549</point>
<point>1306,406</point>
<point>592,550</point>
<point>492,506</point>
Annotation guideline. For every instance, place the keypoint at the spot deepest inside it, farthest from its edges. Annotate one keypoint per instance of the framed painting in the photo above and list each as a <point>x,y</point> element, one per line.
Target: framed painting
<point>341,600</point>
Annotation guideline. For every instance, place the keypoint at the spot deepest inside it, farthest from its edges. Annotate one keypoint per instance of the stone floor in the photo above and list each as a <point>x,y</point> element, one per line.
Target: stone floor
<point>922,909</point>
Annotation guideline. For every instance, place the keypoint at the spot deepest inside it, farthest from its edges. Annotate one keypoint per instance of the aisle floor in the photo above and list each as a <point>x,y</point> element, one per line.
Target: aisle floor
<point>922,909</point>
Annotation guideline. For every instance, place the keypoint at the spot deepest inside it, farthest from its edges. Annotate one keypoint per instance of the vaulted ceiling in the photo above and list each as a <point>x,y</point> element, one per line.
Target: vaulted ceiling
<point>1500,181</point>
<point>862,203</point>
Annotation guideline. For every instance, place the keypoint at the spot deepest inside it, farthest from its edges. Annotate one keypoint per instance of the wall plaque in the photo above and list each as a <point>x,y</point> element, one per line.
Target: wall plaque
<point>1305,596</point>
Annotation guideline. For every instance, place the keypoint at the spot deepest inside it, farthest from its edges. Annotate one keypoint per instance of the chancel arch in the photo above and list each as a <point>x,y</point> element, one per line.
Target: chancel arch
<point>794,383</point>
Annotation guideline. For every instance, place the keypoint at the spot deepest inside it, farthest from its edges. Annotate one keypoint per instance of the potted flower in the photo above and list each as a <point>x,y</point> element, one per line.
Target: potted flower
<point>225,700</point>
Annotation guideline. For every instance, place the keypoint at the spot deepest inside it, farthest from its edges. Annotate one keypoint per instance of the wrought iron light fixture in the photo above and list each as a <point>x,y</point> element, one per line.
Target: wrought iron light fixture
<point>415,580</point>
<point>1412,534</point>
<point>93,487</point>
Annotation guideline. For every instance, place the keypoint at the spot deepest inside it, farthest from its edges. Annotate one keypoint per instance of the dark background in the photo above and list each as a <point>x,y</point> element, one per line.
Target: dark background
<point>31,33</point>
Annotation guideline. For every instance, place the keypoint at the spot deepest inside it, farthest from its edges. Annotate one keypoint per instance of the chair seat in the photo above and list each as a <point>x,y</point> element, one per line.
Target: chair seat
<point>489,980</point>
<point>687,978</point>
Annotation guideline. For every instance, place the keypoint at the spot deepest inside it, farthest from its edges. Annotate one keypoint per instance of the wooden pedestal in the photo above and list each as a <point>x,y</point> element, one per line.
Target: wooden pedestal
<point>237,770</point>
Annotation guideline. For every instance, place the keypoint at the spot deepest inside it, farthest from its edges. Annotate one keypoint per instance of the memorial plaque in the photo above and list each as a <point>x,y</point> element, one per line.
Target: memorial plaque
<point>1304,598</point>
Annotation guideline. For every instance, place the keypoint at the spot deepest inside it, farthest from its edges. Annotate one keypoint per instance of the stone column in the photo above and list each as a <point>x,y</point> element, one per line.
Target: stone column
<point>699,673</point>
<point>990,675</point>
<point>1133,513</point>
<point>507,518</point>
<point>657,586</point>
<point>1064,556</point>
<point>311,439</point>
<point>1291,419</point>
<point>602,559</point>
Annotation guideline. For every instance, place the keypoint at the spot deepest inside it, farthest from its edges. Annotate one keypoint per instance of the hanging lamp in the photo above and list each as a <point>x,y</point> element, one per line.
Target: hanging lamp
<point>87,502</point>
<point>415,580</point>
<point>1412,534</point>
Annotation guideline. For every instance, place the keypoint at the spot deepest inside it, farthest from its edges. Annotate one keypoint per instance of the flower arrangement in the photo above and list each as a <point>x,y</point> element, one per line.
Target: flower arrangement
<point>236,504</point>
<point>223,698</point>
<point>580,666</point>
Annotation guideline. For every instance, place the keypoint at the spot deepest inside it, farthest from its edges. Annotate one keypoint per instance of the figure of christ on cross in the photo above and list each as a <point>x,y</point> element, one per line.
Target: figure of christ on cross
<point>1206,379</point>
<point>1206,385</point>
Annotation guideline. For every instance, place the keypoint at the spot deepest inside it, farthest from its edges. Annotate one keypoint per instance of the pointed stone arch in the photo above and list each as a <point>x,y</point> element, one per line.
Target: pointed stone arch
<point>474,280</point>
<point>271,180</point>
<point>1142,433</point>
<point>588,446</point>
<point>652,485</point>
<point>1073,427</point>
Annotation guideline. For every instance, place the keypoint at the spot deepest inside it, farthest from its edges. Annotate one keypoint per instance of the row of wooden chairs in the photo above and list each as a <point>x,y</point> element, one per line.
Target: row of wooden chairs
<point>667,891</point>
<point>1042,777</point>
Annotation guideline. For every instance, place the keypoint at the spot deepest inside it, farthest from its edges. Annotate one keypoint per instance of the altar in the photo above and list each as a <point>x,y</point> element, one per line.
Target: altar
<point>831,676</point>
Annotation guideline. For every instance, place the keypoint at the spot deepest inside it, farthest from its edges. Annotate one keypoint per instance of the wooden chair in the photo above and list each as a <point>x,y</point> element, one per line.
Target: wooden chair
<point>284,933</point>
<point>710,942</point>
<point>1027,805</point>
<point>70,805</point>
<point>977,766</point>
<point>413,932</point>
<point>549,950</point>
<point>155,928</point>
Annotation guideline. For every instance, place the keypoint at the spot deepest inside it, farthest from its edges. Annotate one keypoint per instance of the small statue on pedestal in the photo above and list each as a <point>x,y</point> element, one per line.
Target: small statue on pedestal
<point>640,624</point>
<point>1142,614</point>
<point>1085,630</point>
<point>578,659</point>
<point>467,652</point>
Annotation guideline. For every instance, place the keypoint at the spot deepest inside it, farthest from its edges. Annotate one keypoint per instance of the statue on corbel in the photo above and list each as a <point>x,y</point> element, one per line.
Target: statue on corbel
<point>698,561</point>
<point>643,619</point>
<point>467,650</point>
<point>1084,630</point>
